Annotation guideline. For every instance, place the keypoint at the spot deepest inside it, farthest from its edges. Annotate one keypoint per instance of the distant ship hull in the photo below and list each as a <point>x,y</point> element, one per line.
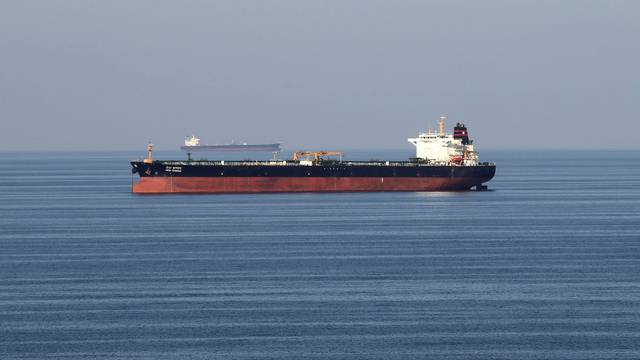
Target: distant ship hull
<point>180,177</point>
<point>233,147</point>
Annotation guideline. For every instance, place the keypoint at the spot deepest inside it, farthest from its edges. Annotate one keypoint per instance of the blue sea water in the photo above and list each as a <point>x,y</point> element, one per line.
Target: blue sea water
<point>545,266</point>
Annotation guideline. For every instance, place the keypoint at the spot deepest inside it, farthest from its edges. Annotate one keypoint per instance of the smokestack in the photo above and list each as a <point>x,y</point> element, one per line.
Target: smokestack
<point>441,126</point>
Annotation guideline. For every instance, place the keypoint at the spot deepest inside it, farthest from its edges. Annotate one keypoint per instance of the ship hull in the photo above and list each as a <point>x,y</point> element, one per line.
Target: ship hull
<point>281,176</point>
<point>159,185</point>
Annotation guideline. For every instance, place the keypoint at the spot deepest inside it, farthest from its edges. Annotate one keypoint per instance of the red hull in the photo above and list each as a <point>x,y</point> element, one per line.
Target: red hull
<point>161,184</point>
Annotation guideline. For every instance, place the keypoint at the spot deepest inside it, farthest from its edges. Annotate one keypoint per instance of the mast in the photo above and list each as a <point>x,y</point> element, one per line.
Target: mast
<point>441,131</point>
<point>149,159</point>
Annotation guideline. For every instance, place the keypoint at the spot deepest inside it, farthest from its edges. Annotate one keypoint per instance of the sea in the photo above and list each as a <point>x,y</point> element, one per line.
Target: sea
<point>544,265</point>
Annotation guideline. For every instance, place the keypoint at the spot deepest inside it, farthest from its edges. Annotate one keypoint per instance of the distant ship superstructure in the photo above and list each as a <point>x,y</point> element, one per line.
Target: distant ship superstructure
<point>442,162</point>
<point>192,141</point>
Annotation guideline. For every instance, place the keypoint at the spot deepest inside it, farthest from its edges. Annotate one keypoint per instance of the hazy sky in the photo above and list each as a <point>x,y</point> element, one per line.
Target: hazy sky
<point>325,74</point>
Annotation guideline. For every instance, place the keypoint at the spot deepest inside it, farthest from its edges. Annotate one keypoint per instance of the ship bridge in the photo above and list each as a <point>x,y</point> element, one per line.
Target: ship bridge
<point>444,148</point>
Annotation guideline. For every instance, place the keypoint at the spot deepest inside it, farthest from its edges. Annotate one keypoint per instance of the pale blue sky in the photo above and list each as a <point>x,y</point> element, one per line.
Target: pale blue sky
<point>324,74</point>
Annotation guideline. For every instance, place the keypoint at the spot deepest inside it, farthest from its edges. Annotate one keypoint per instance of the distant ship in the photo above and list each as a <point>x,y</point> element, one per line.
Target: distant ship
<point>443,162</point>
<point>192,143</point>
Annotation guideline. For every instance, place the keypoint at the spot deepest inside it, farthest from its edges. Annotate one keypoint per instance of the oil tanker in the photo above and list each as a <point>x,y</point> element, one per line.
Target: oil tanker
<point>192,143</point>
<point>443,162</point>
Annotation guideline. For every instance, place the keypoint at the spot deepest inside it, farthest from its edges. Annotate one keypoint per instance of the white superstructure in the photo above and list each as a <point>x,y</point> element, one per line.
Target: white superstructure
<point>191,141</point>
<point>444,148</point>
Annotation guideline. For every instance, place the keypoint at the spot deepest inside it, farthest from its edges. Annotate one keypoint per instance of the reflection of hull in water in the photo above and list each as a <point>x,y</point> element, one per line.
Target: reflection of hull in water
<point>233,147</point>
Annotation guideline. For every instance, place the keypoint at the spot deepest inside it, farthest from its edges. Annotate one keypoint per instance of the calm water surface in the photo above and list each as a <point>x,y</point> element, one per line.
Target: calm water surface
<point>546,266</point>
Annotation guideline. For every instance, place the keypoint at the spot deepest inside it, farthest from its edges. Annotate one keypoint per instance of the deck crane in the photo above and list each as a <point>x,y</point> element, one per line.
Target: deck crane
<point>317,155</point>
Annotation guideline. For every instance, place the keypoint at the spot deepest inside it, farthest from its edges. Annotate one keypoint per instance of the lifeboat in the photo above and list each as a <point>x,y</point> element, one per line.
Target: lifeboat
<point>456,159</point>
